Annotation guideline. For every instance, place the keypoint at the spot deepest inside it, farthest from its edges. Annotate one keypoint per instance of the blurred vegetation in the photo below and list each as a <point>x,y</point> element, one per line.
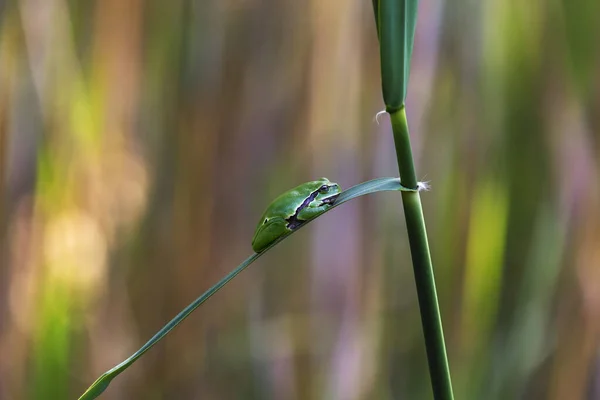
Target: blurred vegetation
<point>141,140</point>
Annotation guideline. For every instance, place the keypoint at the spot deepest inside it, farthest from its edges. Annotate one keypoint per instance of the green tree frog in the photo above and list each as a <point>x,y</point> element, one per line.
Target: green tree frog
<point>291,209</point>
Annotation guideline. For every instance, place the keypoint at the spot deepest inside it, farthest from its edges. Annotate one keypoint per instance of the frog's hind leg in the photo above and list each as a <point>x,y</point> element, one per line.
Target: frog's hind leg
<point>268,233</point>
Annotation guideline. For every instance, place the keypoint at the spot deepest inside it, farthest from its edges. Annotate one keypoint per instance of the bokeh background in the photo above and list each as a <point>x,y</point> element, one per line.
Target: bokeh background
<point>140,140</point>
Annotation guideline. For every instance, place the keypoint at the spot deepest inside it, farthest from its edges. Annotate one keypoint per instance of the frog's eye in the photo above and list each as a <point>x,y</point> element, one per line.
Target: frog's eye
<point>324,189</point>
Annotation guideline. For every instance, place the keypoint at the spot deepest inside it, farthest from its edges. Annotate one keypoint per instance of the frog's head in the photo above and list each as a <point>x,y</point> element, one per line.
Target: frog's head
<point>327,192</point>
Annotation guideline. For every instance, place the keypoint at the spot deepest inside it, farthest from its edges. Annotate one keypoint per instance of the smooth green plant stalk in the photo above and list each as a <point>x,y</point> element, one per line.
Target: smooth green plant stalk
<point>396,22</point>
<point>439,369</point>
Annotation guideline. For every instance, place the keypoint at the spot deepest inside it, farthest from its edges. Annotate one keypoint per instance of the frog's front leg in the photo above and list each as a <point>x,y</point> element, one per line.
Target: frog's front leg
<point>311,211</point>
<point>269,232</point>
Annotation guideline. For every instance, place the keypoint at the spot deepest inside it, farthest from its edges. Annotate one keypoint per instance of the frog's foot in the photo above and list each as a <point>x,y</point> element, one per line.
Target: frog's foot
<point>330,200</point>
<point>293,222</point>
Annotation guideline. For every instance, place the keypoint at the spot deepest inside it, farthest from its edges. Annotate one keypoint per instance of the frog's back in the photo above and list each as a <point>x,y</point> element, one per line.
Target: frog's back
<point>280,207</point>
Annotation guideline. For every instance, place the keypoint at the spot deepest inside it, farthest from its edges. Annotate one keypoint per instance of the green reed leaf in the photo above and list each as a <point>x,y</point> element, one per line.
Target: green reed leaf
<point>396,22</point>
<point>373,186</point>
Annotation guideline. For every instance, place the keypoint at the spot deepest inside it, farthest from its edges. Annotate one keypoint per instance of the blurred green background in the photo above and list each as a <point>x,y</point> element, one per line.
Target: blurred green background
<point>140,142</point>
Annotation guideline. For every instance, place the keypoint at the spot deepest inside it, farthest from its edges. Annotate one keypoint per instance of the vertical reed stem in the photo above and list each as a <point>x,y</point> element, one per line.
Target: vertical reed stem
<point>423,269</point>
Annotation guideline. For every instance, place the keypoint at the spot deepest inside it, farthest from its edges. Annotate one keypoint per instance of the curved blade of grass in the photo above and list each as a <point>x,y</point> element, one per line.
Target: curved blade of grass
<point>376,185</point>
